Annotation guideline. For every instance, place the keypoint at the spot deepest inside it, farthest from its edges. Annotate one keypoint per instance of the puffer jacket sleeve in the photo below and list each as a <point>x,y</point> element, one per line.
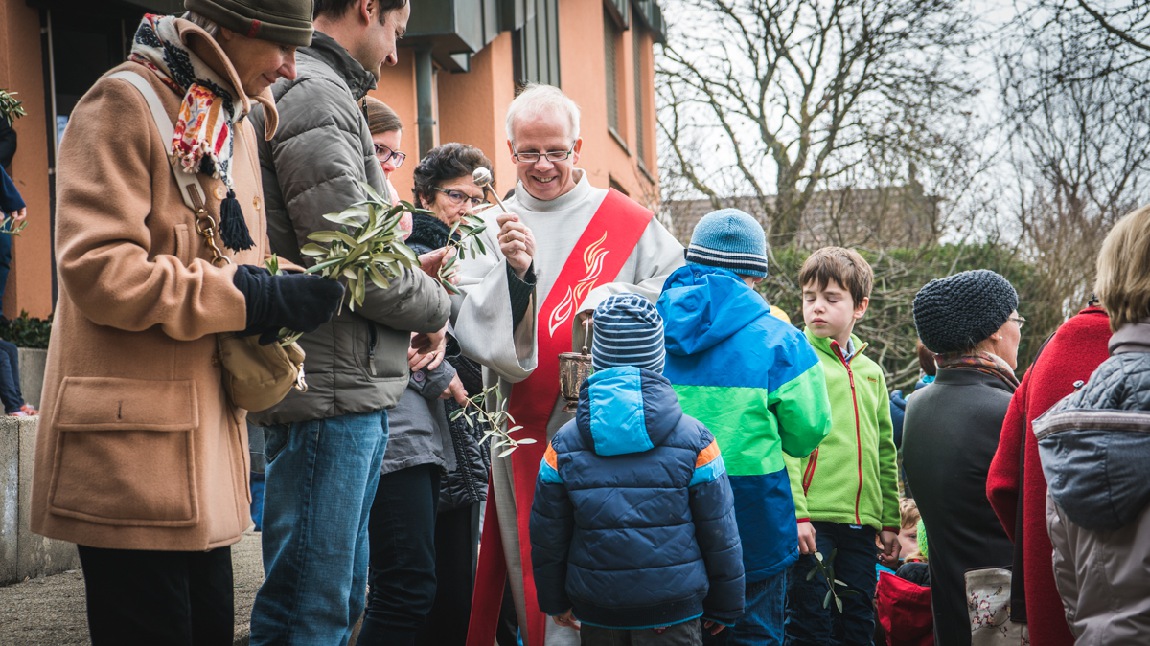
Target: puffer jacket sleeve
<point>319,166</point>
<point>713,510</point>
<point>106,258</point>
<point>552,527</point>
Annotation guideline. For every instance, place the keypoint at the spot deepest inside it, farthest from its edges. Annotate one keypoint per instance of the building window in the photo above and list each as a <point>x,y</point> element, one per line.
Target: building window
<point>535,45</point>
<point>639,56</point>
<point>612,37</point>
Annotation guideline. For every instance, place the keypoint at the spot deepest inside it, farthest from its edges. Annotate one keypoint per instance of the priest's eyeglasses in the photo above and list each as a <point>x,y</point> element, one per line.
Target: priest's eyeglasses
<point>553,156</point>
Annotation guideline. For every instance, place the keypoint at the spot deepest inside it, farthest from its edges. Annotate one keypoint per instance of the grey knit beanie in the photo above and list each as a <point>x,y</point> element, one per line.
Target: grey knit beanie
<point>730,239</point>
<point>628,332</point>
<point>282,21</point>
<point>957,312</point>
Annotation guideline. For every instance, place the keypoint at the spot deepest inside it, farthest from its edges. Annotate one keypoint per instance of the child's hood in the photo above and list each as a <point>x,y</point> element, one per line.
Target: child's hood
<point>627,410</point>
<point>703,306</point>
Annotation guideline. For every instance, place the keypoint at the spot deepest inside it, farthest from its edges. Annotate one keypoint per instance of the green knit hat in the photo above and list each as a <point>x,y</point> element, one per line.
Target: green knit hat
<point>282,21</point>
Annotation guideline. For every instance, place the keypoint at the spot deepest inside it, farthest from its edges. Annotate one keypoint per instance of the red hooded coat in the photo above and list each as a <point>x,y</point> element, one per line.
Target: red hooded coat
<point>1072,354</point>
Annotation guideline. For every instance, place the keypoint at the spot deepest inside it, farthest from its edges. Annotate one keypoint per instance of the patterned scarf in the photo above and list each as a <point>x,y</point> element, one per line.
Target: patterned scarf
<point>202,139</point>
<point>984,362</point>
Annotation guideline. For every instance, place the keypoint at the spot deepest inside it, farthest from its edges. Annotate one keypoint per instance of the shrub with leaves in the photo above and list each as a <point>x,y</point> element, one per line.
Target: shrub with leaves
<point>498,424</point>
<point>27,332</point>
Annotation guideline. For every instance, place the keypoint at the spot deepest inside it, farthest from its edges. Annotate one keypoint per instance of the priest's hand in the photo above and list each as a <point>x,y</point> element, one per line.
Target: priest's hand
<point>516,243</point>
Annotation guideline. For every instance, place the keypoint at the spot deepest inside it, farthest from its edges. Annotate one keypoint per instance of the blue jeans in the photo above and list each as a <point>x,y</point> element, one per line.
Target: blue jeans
<point>10,375</point>
<point>321,479</point>
<point>762,622</point>
<point>808,622</point>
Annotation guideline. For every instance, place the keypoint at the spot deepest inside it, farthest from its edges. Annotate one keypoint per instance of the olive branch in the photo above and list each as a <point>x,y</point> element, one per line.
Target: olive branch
<point>826,567</point>
<point>8,226</point>
<point>11,108</point>
<point>496,421</point>
<point>368,246</point>
<point>465,241</point>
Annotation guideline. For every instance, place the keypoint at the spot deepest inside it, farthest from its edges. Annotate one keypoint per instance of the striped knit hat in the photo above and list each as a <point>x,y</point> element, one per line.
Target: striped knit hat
<point>732,240</point>
<point>628,332</point>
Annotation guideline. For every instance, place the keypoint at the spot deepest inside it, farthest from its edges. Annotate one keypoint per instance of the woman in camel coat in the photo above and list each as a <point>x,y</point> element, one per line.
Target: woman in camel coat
<point>141,459</point>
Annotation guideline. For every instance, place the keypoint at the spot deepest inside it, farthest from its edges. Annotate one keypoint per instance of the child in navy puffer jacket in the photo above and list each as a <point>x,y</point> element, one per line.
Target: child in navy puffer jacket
<point>633,523</point>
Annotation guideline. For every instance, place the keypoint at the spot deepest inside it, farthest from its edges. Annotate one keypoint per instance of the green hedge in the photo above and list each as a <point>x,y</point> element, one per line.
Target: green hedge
<point>26,332</point>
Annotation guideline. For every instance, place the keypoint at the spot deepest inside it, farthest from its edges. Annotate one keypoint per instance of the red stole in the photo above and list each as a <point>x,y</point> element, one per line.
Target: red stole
<point>597,258</point>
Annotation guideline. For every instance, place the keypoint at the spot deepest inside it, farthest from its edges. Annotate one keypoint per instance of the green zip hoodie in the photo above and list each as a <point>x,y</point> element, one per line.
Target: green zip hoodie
<point>852,477</point>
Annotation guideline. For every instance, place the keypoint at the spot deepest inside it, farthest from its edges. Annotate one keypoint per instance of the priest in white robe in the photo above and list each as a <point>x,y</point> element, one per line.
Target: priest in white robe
<point>564,247</point>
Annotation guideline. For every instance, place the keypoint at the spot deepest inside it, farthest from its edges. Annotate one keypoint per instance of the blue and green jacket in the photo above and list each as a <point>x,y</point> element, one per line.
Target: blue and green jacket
<point>755,382</point>
<point>633,524</point>
<point>852,478</point>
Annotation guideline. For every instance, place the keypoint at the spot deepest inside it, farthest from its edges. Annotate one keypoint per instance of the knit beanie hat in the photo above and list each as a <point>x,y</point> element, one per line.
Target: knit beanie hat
<point>282,21</point>
<point>730,239</point>
<point>957,312</point>
<point>628,332</point>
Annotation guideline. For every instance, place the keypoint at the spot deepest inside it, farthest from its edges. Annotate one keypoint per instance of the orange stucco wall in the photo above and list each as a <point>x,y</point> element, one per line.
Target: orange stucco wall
<point>396,88</point>
<point>472,107</point>
<point>30,281</point>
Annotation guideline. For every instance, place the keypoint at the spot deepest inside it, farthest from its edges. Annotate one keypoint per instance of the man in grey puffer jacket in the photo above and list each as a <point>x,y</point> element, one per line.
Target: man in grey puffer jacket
<point>324,446</point>
<point>1095,451</point>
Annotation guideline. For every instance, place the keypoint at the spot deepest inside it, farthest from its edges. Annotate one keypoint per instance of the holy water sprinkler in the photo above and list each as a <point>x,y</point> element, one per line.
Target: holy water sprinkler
<point>482,178</point>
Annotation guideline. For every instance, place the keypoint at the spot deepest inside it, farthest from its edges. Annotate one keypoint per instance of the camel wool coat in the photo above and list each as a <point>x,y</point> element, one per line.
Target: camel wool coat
<point>138,445</point>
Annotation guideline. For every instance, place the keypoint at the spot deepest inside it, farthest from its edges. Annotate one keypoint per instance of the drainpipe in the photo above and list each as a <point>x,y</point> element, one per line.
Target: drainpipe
<point>426,116</point>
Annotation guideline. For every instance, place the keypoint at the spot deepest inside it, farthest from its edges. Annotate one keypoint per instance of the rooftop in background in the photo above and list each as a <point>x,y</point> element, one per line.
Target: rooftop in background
<point>893,216</point>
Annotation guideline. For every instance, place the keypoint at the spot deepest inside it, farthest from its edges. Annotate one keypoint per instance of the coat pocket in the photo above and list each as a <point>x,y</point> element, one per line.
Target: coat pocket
<point>125,453</point>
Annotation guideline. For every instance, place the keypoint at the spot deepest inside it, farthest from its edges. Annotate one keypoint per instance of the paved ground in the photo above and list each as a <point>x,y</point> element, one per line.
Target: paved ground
<point>50,610</point>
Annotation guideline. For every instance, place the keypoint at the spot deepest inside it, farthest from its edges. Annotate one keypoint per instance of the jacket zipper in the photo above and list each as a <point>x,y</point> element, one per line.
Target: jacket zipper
<point>858,428</point>
<point>809,473</point>
<point>371,349</point>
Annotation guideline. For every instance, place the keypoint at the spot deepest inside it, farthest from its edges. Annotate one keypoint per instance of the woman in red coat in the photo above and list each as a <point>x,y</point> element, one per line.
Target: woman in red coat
<point>1067,360</point>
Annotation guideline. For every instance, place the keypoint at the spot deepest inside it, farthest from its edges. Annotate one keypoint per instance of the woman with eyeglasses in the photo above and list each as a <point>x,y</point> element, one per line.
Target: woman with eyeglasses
<point>424,524</point>
<point>970,322</point>
<point>387,135</point>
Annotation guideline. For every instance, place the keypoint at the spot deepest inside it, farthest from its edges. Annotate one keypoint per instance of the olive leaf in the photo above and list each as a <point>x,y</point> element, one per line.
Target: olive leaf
<point>488,409</point>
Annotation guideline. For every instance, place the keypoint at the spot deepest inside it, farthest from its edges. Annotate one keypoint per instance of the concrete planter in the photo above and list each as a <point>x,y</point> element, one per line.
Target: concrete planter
<point>32,361</point>
<point>22,553</point>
